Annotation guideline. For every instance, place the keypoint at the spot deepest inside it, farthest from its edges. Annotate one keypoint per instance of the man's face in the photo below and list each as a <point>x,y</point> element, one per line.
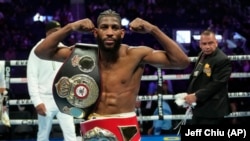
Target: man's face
<point>208,44</point>
<point>109,33</point>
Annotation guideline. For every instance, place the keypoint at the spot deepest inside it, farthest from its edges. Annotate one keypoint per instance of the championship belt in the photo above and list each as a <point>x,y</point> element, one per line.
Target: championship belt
<point>111,129</point>
<point>76,85</point>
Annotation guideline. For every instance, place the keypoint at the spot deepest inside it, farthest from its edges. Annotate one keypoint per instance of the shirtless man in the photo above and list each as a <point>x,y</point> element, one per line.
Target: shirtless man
<point>121,68</point>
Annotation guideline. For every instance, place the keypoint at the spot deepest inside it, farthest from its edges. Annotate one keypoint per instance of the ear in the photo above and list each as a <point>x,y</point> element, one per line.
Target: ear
<point>95,32</point>
<point>216,42</point>
<point>122,33</point>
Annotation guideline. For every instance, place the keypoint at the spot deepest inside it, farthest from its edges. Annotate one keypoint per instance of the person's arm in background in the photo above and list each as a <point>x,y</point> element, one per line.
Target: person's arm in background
<point>3,97</point>
<point>32,81</point>
<point>3,90</point>
<point>2,78</point>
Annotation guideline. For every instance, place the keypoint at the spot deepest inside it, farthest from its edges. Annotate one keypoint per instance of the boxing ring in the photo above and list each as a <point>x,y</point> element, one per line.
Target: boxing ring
<point>159,77</point>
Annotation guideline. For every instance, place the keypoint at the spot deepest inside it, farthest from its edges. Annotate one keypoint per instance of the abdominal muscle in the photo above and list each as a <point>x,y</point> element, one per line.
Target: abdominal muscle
<point>116,103</point>
<point>120,84</point>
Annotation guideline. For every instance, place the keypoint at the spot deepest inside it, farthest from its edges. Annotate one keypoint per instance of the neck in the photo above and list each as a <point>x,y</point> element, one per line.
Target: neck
<point>108,57</point>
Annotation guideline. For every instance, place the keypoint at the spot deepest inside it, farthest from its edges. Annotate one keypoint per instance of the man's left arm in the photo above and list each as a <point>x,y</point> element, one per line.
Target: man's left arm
<point>175,57</point>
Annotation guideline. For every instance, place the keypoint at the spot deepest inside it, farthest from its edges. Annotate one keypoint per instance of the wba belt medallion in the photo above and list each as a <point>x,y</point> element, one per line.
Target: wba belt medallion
<point>76,85</point>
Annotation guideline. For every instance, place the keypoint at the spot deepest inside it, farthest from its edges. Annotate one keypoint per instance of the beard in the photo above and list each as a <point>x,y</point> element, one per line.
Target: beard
<point>111,53</point>
<point>102,46</point>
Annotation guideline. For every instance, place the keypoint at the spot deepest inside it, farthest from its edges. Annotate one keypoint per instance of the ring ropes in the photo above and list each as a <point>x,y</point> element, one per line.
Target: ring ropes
<point>159,96</point>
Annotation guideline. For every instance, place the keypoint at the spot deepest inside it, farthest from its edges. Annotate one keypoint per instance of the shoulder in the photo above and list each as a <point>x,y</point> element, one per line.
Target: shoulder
<point>39,42</point>
<point>36,45</point>
<point>222,56</point>
<point>218,54</point>
<point>139,50</point>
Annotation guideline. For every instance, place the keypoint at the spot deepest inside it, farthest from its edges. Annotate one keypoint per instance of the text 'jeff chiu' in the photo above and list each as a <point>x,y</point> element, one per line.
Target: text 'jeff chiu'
<point>216,132</point>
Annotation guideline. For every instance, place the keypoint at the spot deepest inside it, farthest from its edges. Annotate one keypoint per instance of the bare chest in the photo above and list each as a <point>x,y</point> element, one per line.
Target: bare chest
<point>115,75</point>
<point>121,75</point>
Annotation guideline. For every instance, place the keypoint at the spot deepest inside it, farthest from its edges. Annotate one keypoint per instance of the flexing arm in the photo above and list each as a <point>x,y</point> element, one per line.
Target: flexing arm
<point>172,57</point>
<point>48,48</point>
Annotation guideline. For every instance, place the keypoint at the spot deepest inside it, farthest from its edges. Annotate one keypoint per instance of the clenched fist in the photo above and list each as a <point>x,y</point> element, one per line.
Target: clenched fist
<point>84,25</point>
<point>141,26</point>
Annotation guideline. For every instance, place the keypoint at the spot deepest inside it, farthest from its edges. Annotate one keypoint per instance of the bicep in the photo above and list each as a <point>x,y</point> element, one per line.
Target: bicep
<point>62,53</point>
<point>156,58</point>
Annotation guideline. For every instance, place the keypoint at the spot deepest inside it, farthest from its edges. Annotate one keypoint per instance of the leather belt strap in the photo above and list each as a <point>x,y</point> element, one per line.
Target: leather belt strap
<point>76,85</point>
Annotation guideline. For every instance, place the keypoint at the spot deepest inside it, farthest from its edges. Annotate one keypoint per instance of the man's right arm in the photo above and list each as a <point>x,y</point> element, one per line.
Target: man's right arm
<point>49,50</point>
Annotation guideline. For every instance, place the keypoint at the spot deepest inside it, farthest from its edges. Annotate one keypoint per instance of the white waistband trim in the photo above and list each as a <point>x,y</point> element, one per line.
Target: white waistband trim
<point>98,116</point>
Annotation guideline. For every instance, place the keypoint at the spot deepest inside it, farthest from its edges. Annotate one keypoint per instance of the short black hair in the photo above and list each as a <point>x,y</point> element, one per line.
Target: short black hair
<point>52,24</point>
<point>108,12</point>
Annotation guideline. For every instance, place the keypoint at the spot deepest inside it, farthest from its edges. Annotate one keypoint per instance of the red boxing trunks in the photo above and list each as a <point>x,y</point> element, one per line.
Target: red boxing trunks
<point>111,129</point>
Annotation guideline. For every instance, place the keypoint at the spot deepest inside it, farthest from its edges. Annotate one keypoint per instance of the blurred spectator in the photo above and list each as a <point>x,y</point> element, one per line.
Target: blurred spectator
<point>162,126</point>
<point>40,75</point>
<point>10,54</point>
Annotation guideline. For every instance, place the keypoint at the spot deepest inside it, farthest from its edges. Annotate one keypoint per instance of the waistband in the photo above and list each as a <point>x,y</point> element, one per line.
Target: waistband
<point>98,116</point>
<point>119,128</point>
